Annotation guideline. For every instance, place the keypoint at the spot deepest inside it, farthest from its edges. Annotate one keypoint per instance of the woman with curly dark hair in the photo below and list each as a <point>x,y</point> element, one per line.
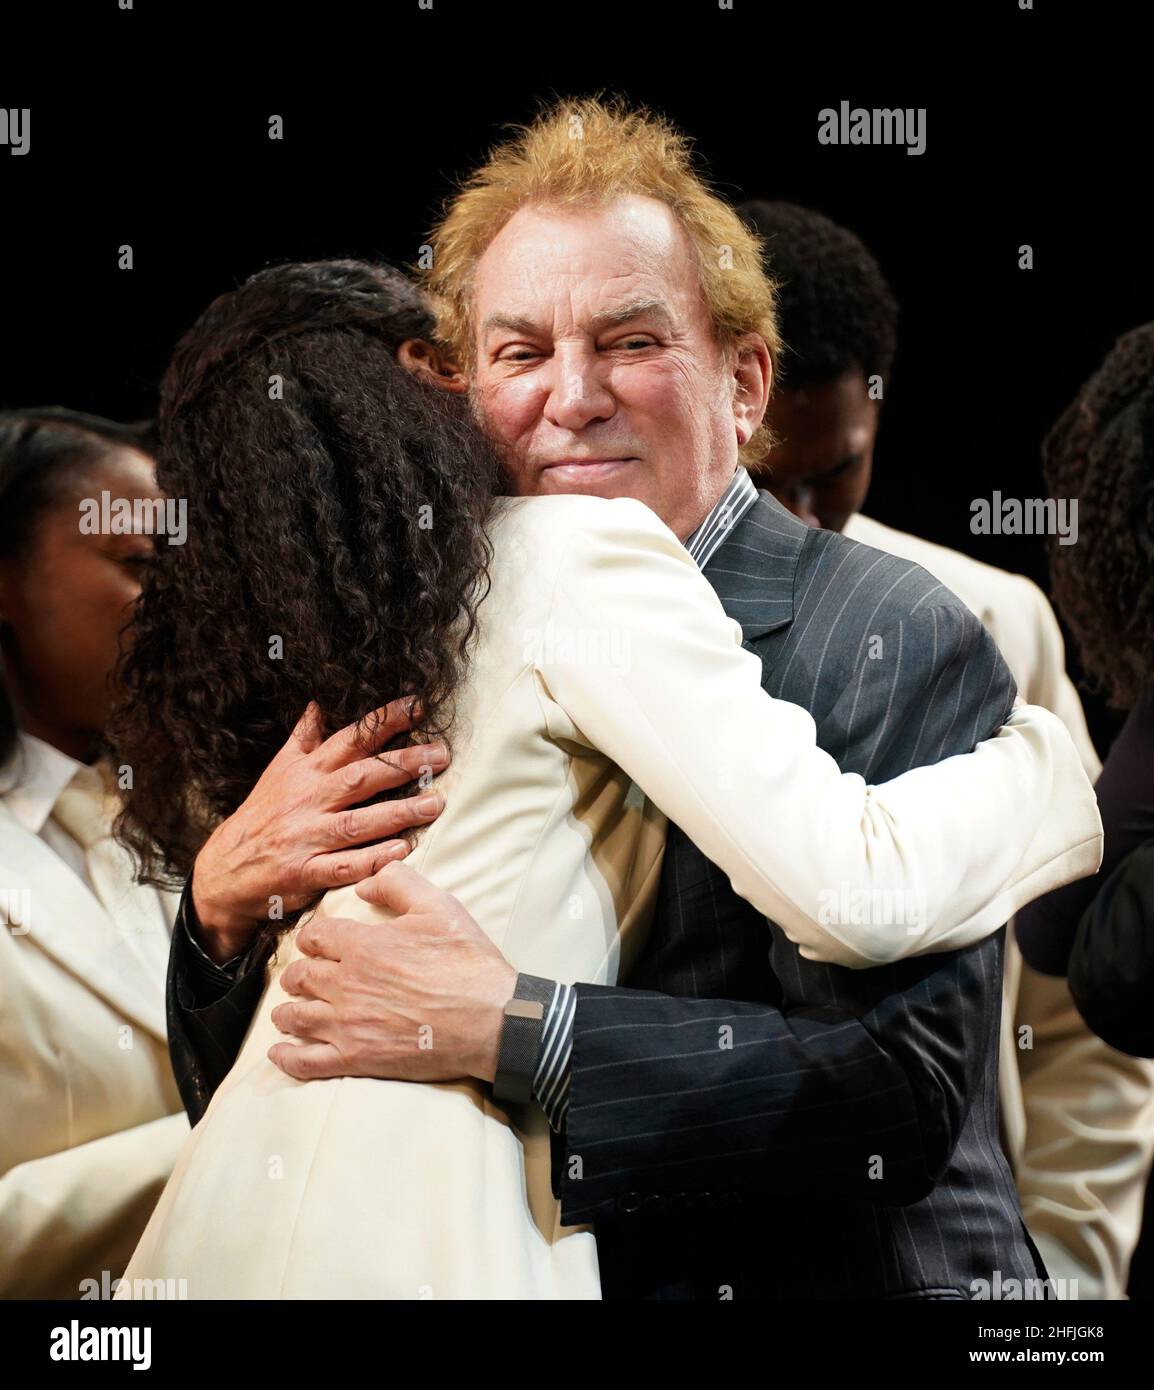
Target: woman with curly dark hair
<point>1099,931</point>
<point>317,568</point>
<point>346,544</point>
<point>1100,453</point>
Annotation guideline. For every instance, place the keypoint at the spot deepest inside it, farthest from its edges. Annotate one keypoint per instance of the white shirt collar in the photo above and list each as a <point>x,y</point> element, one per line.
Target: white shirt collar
<point>740,494</point>
<point>33,778</point>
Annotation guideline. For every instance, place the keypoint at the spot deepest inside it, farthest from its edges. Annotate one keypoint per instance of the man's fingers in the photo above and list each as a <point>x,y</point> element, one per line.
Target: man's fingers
<point>365,777</point>
<point>401,888</point>
<point>342,867</point>
<point>327,937</point>
<point>310,979</point>
<point>307,1018</point>
<point>306,1061</point>
<point>376,729</point>
<point>308,734</point>
<point>381,821</point>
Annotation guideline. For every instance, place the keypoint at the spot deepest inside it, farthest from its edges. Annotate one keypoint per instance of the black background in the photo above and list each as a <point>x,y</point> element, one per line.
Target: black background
<point>153,133</point>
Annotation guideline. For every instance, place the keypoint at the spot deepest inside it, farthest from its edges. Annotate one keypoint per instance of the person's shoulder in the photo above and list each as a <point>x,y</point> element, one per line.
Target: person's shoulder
<point>975,581</point>
<point>836,568</point>
<point>1012,607</point>
<point>553,522</point>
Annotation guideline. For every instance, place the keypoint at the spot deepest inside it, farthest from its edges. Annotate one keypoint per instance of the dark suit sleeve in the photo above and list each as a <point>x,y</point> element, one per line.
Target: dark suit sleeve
<point>208,1013</point>
<point>857,1083</point>
<point>1111,972</point>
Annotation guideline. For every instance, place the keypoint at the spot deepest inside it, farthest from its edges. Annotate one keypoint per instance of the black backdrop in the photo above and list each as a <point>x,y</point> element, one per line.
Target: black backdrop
<point>1036,133</point>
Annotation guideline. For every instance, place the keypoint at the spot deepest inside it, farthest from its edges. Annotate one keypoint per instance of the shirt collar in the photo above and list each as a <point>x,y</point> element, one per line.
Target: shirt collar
<point>730,507</point>
<point>33,778</point>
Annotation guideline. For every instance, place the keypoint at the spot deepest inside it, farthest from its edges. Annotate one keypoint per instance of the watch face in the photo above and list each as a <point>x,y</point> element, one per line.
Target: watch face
<point>524,1008</point>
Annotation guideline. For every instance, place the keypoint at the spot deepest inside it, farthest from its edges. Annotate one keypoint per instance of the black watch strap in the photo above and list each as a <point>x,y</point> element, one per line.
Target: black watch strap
<point>520,1044</point>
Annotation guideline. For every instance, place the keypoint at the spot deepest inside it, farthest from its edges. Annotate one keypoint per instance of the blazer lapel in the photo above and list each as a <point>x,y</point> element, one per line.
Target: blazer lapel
<point>754,568</point>
<point>70,924</point>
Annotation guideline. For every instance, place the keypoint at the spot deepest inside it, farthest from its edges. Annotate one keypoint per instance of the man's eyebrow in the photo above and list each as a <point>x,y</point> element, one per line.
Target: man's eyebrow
<point>612,318</point>
<point>510,323</point>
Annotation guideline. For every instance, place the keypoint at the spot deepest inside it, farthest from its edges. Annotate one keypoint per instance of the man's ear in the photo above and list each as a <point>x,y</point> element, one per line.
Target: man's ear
<point>753,381</point>
<point>432,364</point>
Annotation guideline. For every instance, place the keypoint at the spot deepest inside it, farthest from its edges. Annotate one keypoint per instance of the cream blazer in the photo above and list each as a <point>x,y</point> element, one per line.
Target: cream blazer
<point>1077,1116</point>
<point>606,689</point>
<point>92,1120</point>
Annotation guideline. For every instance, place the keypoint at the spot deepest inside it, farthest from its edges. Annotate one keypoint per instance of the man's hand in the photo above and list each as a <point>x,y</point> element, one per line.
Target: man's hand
<point>418,998</point>
<point>294,836</point>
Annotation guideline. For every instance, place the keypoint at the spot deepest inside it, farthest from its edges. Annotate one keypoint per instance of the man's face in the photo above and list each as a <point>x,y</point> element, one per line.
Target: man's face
<point>596,367</point>
<point>820,469</point>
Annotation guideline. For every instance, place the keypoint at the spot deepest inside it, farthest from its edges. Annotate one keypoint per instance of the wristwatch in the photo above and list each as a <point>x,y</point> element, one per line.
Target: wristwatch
<point>520,1043</point>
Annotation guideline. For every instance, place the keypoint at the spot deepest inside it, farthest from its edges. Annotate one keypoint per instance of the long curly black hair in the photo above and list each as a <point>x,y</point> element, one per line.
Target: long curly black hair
<point>336,548</point>
<point>1101,452</point>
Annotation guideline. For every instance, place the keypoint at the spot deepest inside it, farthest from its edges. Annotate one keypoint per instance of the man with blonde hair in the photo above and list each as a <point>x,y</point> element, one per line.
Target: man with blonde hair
<point>735,1120</point>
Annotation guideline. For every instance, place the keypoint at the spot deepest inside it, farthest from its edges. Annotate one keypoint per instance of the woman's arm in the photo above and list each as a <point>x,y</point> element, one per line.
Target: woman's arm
<point>648,668</point>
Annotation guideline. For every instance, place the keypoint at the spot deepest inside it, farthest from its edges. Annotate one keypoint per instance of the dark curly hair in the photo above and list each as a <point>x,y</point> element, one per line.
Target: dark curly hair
<point>835,306</point>
<point>1101,453</point>
<point>335,502</point>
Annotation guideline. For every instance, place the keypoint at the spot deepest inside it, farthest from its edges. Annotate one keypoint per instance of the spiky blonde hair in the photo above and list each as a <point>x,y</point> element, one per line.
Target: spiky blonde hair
<point>588,152</point>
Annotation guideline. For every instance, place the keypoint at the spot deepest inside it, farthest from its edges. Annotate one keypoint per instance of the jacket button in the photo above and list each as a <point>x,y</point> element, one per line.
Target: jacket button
<point>656,1201</point>
<point>630,1203</point>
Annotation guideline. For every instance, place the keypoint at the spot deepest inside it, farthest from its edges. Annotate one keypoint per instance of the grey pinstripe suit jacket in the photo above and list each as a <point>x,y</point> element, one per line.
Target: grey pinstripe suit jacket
<point>771,1127</point>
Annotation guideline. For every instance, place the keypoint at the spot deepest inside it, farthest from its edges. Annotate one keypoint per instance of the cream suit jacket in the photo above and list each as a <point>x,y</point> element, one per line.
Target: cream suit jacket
<point>92,1120</point>
<point>606,690</point>
<point>1077,1116</point>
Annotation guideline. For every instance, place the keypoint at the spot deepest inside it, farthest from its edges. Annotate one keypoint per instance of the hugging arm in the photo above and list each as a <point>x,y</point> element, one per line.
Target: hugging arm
<point>852,1084</point>
<point>969,839</point>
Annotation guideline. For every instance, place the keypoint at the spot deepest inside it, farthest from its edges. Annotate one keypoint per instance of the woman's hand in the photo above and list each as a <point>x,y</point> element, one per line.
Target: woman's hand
<point>295,835</point>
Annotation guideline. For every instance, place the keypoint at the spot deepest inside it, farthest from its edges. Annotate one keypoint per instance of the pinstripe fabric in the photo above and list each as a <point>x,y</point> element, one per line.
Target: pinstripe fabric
<point>551,1079</point>
<point>743,1120</point>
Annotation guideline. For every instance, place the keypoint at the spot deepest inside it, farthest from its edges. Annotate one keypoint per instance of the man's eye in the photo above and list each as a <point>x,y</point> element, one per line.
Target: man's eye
<point>518,355</point>
<point>635,343</point>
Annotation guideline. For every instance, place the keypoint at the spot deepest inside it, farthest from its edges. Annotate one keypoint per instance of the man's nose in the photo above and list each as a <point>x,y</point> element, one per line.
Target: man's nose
<point>578,393</point>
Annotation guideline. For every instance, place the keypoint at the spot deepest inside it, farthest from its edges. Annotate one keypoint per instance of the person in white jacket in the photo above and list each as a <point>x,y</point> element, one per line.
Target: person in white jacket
<point>1077,1116</point>
<point>92,1117</point>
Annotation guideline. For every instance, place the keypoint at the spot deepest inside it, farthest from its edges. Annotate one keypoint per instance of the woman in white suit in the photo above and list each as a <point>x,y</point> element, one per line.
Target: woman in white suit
<point>91,1117</point>
<point>577,658</point>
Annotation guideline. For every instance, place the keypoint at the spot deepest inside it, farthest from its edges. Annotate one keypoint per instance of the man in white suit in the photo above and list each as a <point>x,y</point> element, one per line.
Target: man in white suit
<point>1077,1116</point>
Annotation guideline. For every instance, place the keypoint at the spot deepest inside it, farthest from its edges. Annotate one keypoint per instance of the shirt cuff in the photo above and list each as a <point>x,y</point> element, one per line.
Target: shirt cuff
<point>210,973</point>
<point>554,1062</point>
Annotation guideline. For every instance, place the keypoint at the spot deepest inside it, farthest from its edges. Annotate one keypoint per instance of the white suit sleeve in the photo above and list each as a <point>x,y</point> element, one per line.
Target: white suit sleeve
<point>643,664</point>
